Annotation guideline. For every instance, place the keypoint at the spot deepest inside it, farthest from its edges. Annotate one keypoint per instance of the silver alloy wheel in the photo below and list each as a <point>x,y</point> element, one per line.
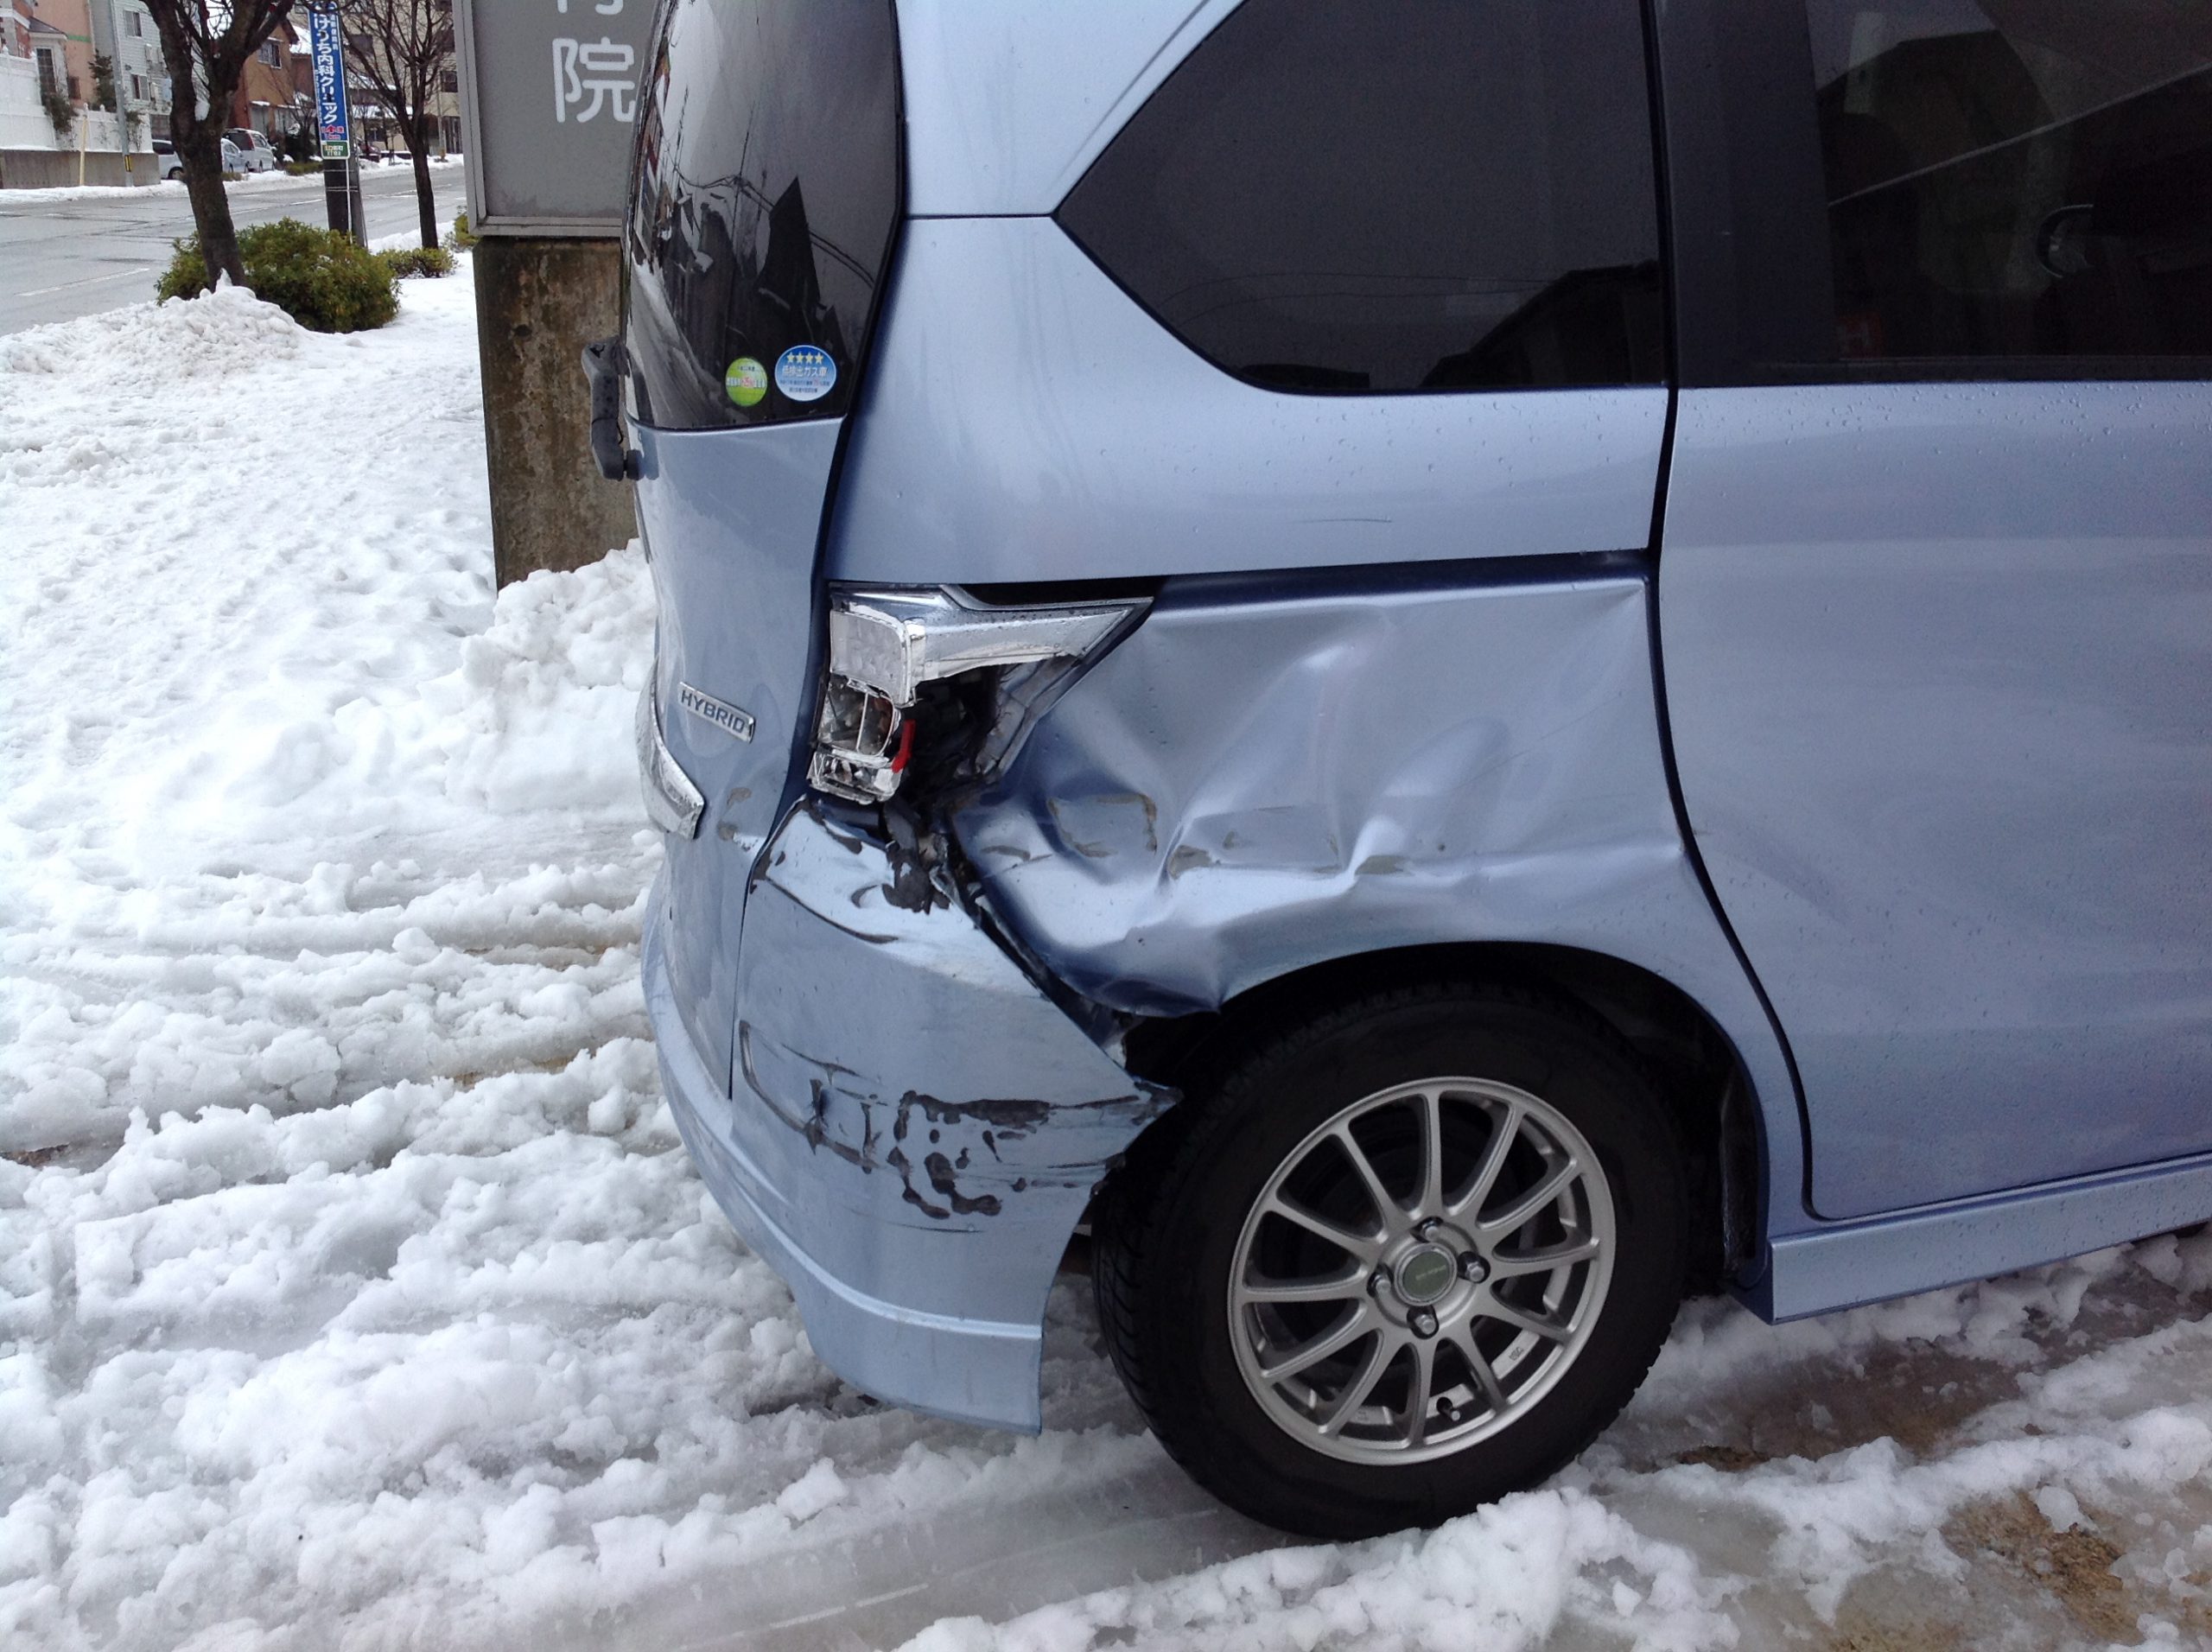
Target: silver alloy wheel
<point>1421,1270</point>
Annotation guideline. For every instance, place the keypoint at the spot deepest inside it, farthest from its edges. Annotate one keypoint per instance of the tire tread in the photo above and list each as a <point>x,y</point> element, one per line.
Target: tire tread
<point>1162,1167</point>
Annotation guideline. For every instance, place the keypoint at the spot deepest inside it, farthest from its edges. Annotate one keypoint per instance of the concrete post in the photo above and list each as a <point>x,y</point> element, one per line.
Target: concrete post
<point>539,300</point>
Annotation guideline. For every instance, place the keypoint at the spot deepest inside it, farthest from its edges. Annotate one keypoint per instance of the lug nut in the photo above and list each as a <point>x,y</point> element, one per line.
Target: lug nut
<point>1423,1322</point>
<point>1428,1229</point>
<point>1473,1268</point>
<point>1377,1282</point>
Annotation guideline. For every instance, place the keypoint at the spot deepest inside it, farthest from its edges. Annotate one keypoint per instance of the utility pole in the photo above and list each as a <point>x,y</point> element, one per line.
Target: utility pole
<point>119,77</point>
<point>548,179</point>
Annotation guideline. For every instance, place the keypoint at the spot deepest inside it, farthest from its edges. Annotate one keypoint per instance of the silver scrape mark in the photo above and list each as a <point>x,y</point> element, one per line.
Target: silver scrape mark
<point>1100,851</point>
<point>1094,851</point>
<point>1151,816</point>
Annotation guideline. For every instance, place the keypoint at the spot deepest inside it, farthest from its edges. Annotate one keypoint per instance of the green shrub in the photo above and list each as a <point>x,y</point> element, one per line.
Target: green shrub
<point>186,277</point>
<point>323,280</point>
<point>405,261</point>
<point>303,169</point>
<point>458,239</point>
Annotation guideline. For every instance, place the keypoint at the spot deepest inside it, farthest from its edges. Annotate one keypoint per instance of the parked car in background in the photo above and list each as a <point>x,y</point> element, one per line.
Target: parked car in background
<point>170,164</point>
<point>1451,672</point>
<point>258,154</point>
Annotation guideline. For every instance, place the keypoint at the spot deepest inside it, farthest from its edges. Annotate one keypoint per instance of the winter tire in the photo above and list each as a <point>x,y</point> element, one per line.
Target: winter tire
<point>1400,1262</point>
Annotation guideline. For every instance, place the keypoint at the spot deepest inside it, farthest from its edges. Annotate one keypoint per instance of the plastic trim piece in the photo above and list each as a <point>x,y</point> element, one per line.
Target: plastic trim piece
<point>895,641</point>
<point>1848,1263</point>
<point>672,802</point>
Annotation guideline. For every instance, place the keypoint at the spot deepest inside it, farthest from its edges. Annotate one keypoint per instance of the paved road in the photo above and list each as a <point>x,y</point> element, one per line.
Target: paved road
<point>62,258</point>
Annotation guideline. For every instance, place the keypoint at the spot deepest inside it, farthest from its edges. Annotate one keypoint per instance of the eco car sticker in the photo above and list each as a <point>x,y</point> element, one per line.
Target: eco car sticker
<point>805,373</point>
<point>746,381</point>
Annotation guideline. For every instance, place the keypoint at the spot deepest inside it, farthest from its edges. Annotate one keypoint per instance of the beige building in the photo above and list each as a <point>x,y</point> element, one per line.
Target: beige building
<point>60,33</point>
<point>267,99</point>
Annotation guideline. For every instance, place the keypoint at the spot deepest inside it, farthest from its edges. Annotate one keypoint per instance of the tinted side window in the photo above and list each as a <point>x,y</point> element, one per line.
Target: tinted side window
<point>2017,178</point>
<point>1395,195</point>
<point>762,207</point>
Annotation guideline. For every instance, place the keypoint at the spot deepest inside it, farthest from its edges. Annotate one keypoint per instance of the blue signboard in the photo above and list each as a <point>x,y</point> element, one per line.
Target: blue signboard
<point>327,41</point>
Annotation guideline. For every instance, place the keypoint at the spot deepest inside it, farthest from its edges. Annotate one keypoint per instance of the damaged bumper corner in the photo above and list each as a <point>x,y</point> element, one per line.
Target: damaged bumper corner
<point>911,1129</point>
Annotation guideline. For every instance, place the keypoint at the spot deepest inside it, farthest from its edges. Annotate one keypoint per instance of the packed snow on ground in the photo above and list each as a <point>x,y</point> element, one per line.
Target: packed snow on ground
<point>156,187</point>
<point>175,186</point>
<point>354,1291</point>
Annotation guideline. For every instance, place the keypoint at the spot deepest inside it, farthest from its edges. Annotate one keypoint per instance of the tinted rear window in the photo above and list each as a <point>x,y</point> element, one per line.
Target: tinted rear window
<point>763,206</point>
<point>2017,180</point>
<point>1395,195</point>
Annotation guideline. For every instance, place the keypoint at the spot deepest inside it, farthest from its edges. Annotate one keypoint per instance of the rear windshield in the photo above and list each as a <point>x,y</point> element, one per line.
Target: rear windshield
<point>762,208</point>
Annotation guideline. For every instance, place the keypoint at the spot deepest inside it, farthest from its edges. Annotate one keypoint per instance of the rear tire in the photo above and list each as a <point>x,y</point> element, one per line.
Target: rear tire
<point>1398,1262</point>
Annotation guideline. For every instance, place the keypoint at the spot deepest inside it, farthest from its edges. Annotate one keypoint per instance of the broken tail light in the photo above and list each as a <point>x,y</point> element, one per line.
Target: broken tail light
<point>886,647</point>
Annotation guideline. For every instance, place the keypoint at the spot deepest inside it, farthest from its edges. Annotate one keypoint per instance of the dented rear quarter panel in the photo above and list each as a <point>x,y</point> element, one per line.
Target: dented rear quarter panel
<point>1264,777</point>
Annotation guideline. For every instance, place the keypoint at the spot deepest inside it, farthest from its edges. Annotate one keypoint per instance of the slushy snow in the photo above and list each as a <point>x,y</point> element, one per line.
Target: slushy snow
<point>355,1291</point>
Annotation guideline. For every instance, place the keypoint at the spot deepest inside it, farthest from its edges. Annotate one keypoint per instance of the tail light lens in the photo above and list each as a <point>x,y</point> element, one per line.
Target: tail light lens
<point>886,647</point>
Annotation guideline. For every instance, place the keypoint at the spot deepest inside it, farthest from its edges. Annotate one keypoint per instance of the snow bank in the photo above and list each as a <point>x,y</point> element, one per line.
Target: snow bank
<point>171,186</point>
<point>107,191</point>
<point>355,1291</point>
<point>137,350</point>
<point>253,649</point>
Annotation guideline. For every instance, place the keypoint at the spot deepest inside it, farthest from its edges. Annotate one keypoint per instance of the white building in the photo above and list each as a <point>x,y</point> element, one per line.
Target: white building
<point>54,128</point>
<point>141,73</point>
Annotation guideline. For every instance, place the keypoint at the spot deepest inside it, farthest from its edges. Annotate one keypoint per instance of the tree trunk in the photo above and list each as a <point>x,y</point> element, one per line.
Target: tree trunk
<point>200,148</point>
<point>426,201</point>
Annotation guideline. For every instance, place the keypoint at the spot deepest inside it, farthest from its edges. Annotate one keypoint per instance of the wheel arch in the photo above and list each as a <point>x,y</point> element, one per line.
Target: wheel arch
<point>1696,1066</point>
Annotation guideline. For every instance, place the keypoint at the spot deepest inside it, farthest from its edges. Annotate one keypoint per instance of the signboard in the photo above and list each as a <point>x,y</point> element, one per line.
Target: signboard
<point>548,92</point>
<point>326,46</point>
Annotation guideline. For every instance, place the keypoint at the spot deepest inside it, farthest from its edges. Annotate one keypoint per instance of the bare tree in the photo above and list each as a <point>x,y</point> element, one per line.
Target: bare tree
<point>406,48</point>
<point>207,43</point>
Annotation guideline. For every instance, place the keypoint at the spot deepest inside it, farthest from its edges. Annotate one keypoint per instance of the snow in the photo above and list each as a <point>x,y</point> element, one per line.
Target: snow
<point>355,1291</point>
<point>173,187</point>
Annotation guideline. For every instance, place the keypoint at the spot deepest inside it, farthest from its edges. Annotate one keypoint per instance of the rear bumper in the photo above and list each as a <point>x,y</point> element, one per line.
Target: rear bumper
<point>914,1129</point>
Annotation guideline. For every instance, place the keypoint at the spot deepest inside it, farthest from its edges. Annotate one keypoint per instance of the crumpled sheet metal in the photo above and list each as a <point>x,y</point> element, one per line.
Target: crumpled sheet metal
<point>915,1127</point>
<point>916,1047</point>
<point>1245,788</point>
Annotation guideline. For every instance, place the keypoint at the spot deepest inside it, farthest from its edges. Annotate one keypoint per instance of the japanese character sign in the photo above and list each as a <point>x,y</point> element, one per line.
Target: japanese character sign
<point>328,45</point>
<point>604,68</point>
<point>557,165</point>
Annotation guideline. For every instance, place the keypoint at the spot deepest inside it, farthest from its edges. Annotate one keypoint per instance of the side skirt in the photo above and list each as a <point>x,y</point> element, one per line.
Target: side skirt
<point>1848,1263</point>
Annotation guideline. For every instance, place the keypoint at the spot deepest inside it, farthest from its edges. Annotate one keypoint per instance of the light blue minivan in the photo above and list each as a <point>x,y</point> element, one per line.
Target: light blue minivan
<point>1440,668</point>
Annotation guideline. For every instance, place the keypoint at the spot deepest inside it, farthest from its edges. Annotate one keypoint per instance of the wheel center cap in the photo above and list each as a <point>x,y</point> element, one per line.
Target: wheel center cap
<point>1424,1275</point>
